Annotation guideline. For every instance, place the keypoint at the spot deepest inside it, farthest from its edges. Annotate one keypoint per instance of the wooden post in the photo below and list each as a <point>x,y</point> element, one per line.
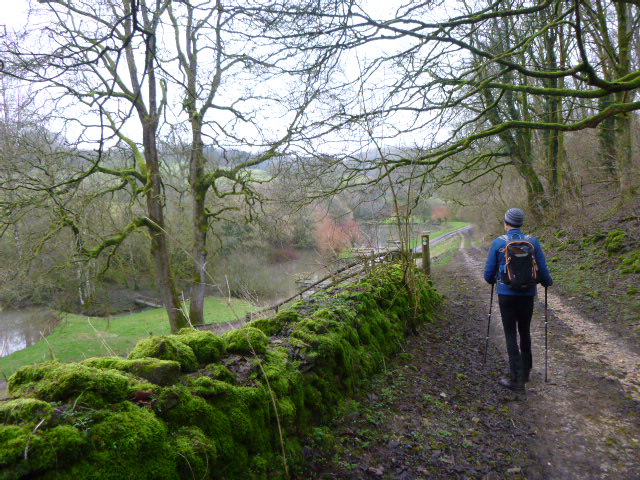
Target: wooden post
<point>426,258</point>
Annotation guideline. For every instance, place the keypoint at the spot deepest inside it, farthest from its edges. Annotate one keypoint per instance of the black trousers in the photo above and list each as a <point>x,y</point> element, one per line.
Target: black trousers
<point>516,312</point>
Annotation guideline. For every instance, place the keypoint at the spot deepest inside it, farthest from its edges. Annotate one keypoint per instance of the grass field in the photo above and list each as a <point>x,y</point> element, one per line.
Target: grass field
<point>451,226</point>
<point>78,337</point>
<point>444,252</point>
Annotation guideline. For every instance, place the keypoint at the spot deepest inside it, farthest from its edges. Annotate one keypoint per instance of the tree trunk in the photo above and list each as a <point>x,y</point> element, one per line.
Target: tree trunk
<point>607,137</point>
<point>536,199</point>
<point>627,173</point>
<point>200,224</point>
<point>159,241</point>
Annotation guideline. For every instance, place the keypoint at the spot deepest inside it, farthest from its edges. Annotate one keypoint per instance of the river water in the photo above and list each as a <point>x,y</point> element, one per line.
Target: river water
<point>20,329</point>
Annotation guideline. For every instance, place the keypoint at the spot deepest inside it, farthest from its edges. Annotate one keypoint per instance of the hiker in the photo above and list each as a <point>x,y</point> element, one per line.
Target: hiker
<point>516,292</point>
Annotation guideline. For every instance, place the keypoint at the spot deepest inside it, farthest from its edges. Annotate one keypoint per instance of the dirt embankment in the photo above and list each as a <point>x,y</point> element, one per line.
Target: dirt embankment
<point>439,414</point>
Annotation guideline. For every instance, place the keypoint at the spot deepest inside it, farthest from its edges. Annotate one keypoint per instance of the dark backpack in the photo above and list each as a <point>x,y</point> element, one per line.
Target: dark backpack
<point>521,269</point>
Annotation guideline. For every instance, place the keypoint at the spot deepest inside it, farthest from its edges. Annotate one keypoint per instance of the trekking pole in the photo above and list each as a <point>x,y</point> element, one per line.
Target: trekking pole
<point>486,342</point>
<point>546,336</point>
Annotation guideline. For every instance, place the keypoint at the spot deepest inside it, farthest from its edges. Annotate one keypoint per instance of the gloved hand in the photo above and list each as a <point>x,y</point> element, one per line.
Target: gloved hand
<point>492,281</point>
<point>547,285</point>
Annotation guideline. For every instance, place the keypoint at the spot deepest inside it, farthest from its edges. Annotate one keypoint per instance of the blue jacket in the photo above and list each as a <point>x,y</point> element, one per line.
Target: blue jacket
<point>496,262</point>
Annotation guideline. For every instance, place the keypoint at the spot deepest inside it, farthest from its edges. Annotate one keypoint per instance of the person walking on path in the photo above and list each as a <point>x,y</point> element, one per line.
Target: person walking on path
<point>516,305</point>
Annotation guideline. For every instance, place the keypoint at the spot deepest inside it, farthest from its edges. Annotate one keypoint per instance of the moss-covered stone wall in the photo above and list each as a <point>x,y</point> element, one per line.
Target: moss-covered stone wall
<point>198,405</point>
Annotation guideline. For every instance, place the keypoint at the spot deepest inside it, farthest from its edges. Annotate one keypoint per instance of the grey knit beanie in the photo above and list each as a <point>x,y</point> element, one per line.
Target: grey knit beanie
<point>514,217</point>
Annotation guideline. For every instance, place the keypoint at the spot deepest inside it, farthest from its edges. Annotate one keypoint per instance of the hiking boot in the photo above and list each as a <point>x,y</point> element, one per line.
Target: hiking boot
<point>514,386</point>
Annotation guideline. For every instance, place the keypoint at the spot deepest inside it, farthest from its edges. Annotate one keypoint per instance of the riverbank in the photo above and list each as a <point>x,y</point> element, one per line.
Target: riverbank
<point>79,336</point>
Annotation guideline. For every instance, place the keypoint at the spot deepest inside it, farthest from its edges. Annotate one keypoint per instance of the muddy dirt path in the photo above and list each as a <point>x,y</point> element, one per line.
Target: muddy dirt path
<point>586,418</point>
<point>438,412</point>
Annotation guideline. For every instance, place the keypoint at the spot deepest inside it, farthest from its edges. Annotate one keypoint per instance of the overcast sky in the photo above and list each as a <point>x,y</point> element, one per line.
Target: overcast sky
<point>15,17</point>
<point>14,13</point>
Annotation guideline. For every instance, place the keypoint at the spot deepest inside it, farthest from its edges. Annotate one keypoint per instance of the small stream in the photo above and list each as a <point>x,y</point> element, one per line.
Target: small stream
<point>22,328</point>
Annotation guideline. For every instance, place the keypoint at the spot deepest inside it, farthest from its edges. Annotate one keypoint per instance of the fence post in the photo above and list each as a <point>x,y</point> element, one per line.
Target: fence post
<point>426,258</point>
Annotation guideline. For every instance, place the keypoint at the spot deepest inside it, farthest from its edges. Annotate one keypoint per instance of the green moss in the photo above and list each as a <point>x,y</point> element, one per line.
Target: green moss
<point>196,453</point>
<point>207,346</point>
<point>283,378</point>
<point>128,443</point>
<point>274,325</point>
<point>179,407</point>
<point>236,419</point>
<point>166,348</point>
<point>220,372</point>
<point>24,452</point>
<point>130,430</point>
<point>246,341</point>
<point>615,241</point>
<point>631,263</point>
<point>159,372</point>
<point>594,238</point>
<point>55,381</point>
<point>24,410</point>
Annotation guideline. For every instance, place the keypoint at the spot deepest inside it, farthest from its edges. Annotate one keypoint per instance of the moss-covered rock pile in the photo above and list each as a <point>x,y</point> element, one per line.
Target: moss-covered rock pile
<point>196,405</point>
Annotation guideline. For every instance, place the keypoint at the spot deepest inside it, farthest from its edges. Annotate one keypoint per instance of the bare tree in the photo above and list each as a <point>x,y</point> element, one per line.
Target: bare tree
<point>489,77</point>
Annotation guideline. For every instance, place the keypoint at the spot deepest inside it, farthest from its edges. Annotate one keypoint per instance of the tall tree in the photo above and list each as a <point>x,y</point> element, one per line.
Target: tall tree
<point>219,47</point>
<point>446,79</point>
<point>122,68</point>
<point>103,56</point>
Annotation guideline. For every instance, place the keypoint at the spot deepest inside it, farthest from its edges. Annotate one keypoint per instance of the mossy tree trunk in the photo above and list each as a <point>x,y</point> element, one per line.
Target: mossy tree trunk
<point>627,172</point>
<point>607,137</point>
<point>155,198</point>
<point>200,229</point>
<point>553,106</point>
<point>519,143</point>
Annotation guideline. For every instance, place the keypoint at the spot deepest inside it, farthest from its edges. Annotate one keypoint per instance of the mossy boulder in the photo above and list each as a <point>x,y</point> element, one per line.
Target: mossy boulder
<point>54,381</point>
<point>246,341</point>
<point>159,372</point>
<point>220,372</point>
<point>130,442</point>
<point>276,324</point>
<point>196,453</point>
<point>207,346</point>
<point>166,348</point>
<point>25,452</point>
<point>24,410</point>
